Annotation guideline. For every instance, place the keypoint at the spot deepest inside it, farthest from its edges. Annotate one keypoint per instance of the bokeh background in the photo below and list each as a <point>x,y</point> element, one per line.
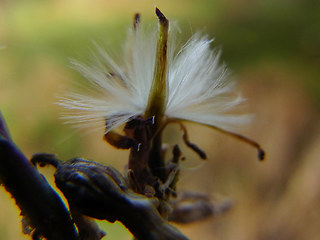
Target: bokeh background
<point>273,50</point>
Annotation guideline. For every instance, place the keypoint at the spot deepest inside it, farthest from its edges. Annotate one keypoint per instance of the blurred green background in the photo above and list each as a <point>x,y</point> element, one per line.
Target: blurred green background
<point>273,50</point>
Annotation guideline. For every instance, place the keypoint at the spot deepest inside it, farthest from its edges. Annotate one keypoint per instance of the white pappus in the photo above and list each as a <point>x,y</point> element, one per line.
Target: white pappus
<point>196,88</point>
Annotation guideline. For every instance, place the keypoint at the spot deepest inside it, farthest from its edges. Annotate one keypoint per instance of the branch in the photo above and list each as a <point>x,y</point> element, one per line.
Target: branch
<point>39,203</point>
<point>101,192</point>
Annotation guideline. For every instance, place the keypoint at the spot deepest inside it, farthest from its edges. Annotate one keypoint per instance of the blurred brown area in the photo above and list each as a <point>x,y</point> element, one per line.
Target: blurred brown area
<point>275,199</point>
<point>273,49</point>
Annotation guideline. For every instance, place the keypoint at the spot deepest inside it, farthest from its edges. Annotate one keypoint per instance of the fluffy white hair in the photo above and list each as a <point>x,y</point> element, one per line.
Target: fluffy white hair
<point>198,89</point>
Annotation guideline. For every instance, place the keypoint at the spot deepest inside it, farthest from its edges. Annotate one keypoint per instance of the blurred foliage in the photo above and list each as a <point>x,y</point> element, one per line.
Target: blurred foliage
<point>272,48</point>
<point>281,32</point>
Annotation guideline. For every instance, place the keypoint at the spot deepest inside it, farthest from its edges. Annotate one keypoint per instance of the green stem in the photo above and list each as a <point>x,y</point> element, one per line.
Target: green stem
<point>158,92</point>
<point>158,97</point>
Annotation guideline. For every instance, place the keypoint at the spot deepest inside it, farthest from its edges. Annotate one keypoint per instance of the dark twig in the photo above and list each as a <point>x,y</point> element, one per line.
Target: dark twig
<point>39,203</point>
